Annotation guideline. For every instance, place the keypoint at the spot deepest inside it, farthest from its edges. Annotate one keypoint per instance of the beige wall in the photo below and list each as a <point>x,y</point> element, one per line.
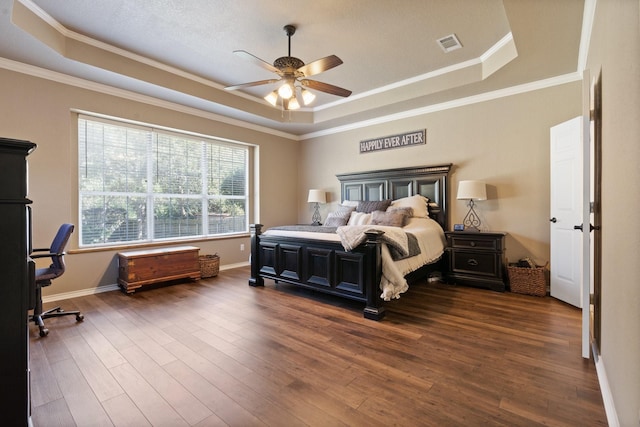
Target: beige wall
<point>615,51</point>
<point>41,111</point>
<point>504,142</point>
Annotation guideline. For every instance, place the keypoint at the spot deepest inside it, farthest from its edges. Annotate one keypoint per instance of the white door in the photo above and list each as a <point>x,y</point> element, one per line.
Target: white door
<point>566,211</point>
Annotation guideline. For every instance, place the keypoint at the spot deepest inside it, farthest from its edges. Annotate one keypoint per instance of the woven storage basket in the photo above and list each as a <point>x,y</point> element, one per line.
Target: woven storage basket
<point>530,281</point>
<point>209,265</point>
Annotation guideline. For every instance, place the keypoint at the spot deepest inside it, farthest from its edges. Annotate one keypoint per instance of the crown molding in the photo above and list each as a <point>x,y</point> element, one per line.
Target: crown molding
<point>456,103</point>
<point>42,73</point>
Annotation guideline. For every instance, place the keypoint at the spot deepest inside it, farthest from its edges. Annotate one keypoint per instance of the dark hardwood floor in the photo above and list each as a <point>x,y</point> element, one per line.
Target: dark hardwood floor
<point>218,352</point>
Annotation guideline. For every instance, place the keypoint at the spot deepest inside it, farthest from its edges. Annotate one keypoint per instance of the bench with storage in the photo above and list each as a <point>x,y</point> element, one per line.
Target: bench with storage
<point>147,267</point>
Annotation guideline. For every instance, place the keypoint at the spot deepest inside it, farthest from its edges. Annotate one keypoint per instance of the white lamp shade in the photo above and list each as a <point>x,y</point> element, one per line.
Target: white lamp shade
<point>476,190</point>
<point>293,104</point>
<point>317,196</point>
<point>272,98</point>
<point>307,97</point>
<point>285,91</point>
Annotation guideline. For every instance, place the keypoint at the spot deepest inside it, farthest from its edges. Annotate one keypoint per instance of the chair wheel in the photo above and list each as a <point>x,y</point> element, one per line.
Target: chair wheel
<point>79,317</point>
<point>44,332</point>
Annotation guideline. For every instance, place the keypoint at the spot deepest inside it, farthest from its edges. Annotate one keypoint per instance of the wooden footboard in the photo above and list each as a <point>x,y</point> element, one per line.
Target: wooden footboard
<point>322,266</point>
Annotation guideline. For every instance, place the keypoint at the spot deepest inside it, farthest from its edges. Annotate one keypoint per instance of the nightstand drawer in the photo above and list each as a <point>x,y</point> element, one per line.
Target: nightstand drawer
<point>477,263</point>
<point>476,259</point>
<point>479,242</point>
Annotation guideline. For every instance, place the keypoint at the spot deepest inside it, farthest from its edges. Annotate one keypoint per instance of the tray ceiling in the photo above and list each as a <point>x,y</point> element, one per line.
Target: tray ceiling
<point>182,52</point>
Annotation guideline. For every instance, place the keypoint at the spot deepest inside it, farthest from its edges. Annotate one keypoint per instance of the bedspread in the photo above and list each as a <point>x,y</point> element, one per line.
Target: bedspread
<point>401,244</point>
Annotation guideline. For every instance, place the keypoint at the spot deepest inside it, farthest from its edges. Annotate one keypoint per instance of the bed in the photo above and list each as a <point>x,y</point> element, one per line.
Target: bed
<point>317,257</point>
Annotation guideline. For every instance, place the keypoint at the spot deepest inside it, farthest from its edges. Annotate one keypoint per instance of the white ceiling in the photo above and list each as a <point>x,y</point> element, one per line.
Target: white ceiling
<point>182,51</point>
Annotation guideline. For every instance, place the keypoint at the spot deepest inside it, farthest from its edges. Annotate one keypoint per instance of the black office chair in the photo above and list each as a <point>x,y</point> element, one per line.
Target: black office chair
<point>44,276</point>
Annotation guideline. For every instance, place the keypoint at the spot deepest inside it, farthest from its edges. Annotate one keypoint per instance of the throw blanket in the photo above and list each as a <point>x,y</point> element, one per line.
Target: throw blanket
<point>392,282</point>
<point>401,244</point>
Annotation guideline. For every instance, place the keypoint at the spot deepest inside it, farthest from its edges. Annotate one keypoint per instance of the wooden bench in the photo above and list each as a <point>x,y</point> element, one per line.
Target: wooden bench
<point>147,267</point>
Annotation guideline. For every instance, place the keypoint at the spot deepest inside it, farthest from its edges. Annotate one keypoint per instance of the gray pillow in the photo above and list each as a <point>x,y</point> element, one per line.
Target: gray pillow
<point>337,218</point>
<point>392,219</point>
<point>406,211</point>
<point>373,205</point>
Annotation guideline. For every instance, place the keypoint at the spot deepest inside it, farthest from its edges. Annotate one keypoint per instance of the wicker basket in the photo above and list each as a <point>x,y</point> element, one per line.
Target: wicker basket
<point>209,265</point>
<point>530,281</point>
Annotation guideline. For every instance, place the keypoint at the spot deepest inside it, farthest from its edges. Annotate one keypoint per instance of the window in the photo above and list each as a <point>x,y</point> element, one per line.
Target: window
<point>139,184</point>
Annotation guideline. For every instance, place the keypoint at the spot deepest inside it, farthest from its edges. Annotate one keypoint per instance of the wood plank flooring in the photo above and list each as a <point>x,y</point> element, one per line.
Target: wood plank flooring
<point>220,353</point>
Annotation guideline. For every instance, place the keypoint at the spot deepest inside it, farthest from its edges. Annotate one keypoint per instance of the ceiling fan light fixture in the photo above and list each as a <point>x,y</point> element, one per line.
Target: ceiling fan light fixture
<point>293,73</point>
<point>285,91</point>
<point>307,97</point>
<point>293,104</point>
<point>272,98</point>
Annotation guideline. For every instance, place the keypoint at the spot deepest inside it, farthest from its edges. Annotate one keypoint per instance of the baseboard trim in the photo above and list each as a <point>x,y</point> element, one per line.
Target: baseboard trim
<point>79,293</point>
<point>605,390</point>
<point>237,265</point>
<point>114,287</point>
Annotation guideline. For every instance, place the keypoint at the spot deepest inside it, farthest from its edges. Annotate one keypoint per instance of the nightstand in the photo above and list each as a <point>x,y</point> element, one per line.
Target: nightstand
<point>476,259</point>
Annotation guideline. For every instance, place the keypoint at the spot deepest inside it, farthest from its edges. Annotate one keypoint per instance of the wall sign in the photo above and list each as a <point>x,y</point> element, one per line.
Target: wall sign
<point>394,141</point>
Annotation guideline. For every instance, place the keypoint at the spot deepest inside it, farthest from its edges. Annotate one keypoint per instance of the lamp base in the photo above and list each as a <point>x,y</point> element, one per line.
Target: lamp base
<point>316,215</point>
<point>471,221</point>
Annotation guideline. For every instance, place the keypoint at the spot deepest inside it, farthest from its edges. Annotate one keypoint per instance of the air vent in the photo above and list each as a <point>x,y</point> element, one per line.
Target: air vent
<point>449,43</point>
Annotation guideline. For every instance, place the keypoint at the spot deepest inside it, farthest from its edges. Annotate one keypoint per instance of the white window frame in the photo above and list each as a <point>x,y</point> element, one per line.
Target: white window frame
<point>151,195</point>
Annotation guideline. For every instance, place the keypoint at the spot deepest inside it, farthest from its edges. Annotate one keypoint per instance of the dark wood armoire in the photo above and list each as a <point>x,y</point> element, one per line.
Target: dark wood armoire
<point>17,287</point>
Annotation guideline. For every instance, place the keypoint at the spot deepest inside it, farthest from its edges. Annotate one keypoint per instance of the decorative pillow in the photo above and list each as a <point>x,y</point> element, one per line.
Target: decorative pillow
<point>408,212</point>
<point>418,203</point>
<point>359,218</point>
<point>337,218</point>
<point>392,219</point>
<point>373,205</point>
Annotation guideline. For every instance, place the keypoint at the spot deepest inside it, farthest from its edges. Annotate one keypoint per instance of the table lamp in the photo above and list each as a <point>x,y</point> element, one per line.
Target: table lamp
<point>316,197</point>
<point>472,190</point>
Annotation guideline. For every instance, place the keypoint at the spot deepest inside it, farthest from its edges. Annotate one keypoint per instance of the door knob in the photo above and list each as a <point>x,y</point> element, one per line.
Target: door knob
<point>554,220</point>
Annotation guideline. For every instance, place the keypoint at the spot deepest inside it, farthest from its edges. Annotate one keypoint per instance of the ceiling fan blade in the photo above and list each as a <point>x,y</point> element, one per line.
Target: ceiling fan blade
<point>258,83</point>
<point>326,87</point>
<point>320,65</point>
<point>261,63</point>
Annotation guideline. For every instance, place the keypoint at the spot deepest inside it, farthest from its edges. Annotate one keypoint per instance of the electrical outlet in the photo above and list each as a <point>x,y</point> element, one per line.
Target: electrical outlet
<point>242,246</point>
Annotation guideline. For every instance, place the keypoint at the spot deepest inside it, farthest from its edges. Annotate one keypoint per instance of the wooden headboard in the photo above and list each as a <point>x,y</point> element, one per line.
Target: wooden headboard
<point>428,181</point>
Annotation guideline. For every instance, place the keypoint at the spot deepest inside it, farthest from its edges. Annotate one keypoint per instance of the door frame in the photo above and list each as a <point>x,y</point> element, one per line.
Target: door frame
<point>586,214</point>
<point>595,114</point>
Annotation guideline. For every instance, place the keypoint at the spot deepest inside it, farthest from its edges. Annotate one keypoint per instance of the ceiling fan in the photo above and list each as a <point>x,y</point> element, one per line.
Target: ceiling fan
<point>293,73</point>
